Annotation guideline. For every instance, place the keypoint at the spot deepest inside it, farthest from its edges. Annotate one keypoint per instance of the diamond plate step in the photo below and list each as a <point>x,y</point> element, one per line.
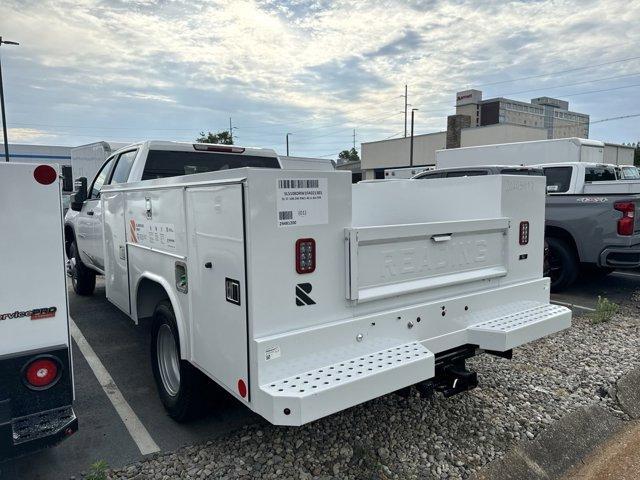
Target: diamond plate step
<point>512,330</point>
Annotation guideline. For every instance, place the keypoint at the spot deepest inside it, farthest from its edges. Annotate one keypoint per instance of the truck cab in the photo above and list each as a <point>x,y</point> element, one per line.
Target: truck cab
<point>134,163</point>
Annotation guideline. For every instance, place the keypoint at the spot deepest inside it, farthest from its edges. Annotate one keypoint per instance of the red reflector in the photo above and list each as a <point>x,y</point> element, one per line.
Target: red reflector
<point>242,388</point>
<point>305,255</point>
<point>206,147</point>
<point>626,225</point>
<point>45,174</point>
<point>41,373</point>
<point>524,233</point>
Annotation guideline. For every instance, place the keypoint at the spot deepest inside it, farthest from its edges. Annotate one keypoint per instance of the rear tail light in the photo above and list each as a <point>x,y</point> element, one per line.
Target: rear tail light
<point>41,373</point>
<point>626,224</point>
<point>305,255</point>
<point>524,233</point>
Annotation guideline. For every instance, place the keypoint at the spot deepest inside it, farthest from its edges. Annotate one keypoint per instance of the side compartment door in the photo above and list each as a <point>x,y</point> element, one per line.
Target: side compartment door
<point>217,284</point>
<point>115,262</point>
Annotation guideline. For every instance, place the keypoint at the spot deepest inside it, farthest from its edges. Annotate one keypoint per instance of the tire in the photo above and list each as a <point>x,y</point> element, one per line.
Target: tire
<point>83,279</point>
<point>178,382</point>
<point>563,264</point>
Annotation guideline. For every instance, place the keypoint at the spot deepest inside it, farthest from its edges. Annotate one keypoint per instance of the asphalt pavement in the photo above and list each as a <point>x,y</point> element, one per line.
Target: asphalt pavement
<point>122,350</point>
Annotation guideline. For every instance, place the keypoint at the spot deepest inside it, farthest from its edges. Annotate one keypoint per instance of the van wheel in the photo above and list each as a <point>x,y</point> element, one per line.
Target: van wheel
<point>563,264</point>
<point>83,279</point>
<point>176,379</point>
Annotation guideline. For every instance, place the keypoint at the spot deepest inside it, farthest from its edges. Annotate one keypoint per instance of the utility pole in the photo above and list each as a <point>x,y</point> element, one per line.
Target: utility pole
<point>4,117</point>
<point>354,138</point>
<point>230,131</point>
<point>405,111</point>
<point>413,110</point>
<point>288,144</point>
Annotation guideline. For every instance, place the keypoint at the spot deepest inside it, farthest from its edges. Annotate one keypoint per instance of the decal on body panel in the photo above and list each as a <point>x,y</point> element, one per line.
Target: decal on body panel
<point>302,201</point>
<point>153,234</point>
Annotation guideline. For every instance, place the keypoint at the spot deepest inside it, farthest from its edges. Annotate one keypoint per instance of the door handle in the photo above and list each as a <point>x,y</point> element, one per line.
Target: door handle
<point>445,237</point>
<point>208,265</point>
<point>90,212</point>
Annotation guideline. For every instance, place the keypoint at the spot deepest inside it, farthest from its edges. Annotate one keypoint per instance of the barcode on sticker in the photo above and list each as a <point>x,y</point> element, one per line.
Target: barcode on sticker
<point>299,183</point>
<point>288,215</point>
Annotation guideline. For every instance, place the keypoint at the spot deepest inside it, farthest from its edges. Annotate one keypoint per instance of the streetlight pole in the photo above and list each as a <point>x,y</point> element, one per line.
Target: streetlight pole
<point>405,110</point>
<point>4,117</point>
<point>288,144</point>
<point>413,110</point>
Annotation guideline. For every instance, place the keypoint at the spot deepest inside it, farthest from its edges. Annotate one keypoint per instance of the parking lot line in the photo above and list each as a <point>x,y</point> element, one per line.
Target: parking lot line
<point>573,305</point>
<point>136,429</point>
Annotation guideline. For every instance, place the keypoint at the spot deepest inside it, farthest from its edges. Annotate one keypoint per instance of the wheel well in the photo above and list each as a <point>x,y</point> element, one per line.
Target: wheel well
<point>149,294</point>
<point>562,234</point>
<point>69,236</point>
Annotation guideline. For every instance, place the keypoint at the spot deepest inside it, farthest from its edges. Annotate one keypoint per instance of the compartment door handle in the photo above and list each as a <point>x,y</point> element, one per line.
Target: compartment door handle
<point>445,237</point>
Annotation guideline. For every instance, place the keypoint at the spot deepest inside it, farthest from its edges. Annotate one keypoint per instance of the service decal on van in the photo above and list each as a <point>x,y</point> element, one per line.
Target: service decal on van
<point>34,313</point>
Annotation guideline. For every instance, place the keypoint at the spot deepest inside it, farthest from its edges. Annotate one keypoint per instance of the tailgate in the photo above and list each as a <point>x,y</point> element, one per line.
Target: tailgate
<point>391,260</point>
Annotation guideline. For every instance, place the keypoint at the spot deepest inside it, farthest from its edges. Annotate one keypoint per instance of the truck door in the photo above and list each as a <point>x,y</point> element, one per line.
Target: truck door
<point>217,284</point>
<point>89,223</point>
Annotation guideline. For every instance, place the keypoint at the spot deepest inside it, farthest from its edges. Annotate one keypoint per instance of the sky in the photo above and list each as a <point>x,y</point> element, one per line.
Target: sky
<point>91,70</point>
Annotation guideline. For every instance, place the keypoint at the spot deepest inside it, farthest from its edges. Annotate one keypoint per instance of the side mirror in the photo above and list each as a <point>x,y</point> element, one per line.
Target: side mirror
<point>79,195</point>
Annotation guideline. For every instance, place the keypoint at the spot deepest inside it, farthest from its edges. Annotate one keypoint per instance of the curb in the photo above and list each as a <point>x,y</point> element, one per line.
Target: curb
<point>564,444</point>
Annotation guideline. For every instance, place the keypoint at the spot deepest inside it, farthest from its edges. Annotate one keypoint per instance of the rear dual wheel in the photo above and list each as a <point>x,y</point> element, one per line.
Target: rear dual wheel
<point>562,264</point>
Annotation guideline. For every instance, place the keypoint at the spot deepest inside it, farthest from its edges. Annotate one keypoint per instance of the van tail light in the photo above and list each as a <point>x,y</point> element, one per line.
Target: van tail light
<point>626,224</point>
<point>305,255</point>
<point>42,373</point>
<point>524,233</point>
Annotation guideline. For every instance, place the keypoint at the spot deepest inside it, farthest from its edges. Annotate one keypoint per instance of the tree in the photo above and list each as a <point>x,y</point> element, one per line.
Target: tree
<point>223,137</point>
<point>349,155</point>
<point>636,155</point>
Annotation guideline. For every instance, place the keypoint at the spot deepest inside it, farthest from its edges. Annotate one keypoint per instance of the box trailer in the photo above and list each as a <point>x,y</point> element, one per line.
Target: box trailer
<point>87,159</point>
<point>533,153</point>
<point>302,295</point>
<point>36,376</point>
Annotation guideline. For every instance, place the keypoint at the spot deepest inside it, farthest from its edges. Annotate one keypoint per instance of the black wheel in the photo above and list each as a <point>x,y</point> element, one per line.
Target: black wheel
<point>563,264</point>
<point>178,381</point>
<point>83,279</point>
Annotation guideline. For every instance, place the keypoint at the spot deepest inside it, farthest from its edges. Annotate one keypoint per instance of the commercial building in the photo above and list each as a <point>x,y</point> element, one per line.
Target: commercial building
<point>478,122</point>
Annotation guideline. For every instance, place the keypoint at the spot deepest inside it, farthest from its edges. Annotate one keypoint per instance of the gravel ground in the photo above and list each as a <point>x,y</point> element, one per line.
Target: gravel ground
<point>394,438</point>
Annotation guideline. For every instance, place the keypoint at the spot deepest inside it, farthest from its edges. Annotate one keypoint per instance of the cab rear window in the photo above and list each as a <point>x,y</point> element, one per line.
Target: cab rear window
<point>164,163</point>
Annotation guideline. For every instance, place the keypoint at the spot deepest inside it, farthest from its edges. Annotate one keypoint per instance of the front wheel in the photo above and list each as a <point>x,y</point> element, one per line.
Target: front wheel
<point>562,264</point>
<point>176,379</point>
<point>83,279</point>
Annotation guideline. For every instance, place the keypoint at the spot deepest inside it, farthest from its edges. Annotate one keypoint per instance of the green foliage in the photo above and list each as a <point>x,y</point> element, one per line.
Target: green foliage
<point>349,155</point>
<point>605,310</point>
<point>223,138</point>
<point>636,155</point>
<point>97,471</point>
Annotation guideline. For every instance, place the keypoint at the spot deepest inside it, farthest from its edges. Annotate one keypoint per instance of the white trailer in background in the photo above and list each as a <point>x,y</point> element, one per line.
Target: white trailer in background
<point>535,153</point>
<point>302,295</point>
<point>87,159</point>
<point>36,378</point>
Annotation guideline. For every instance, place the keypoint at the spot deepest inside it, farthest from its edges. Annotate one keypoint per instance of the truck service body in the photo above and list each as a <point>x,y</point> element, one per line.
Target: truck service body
<point>36,377</point>
<point>303,295</point>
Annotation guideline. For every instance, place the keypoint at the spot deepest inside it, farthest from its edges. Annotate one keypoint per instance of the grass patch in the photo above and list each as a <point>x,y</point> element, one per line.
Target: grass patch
<point>97,471</point>
<point>605,310</point>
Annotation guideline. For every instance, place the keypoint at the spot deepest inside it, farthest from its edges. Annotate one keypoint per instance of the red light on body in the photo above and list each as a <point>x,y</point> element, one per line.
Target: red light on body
<point>305,255</point>
<point>242,388</point>
<point>626,225</point>
<point>41,373</point>
<point>524,233</point>
<point>45,174</point>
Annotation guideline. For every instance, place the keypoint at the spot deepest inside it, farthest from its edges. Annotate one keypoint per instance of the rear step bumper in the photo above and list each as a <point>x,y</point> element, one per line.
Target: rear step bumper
<point>313,394</point>
<point>34,432</point>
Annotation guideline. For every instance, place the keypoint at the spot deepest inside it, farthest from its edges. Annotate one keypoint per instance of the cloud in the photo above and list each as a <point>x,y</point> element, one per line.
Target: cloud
<point>28,135</point>
<point>140,68</point>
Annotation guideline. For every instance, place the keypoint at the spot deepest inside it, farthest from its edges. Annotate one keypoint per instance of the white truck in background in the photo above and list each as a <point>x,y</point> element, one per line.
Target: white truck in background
<point>87,159</point>
<point>406,172</point>
<point>535,153</point>
<point>371,297</point>
<point>36,376</point>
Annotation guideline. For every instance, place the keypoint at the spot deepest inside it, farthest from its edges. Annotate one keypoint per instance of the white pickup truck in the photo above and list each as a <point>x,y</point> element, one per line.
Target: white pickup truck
<point>301,294</point>
<point>36,376</point>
